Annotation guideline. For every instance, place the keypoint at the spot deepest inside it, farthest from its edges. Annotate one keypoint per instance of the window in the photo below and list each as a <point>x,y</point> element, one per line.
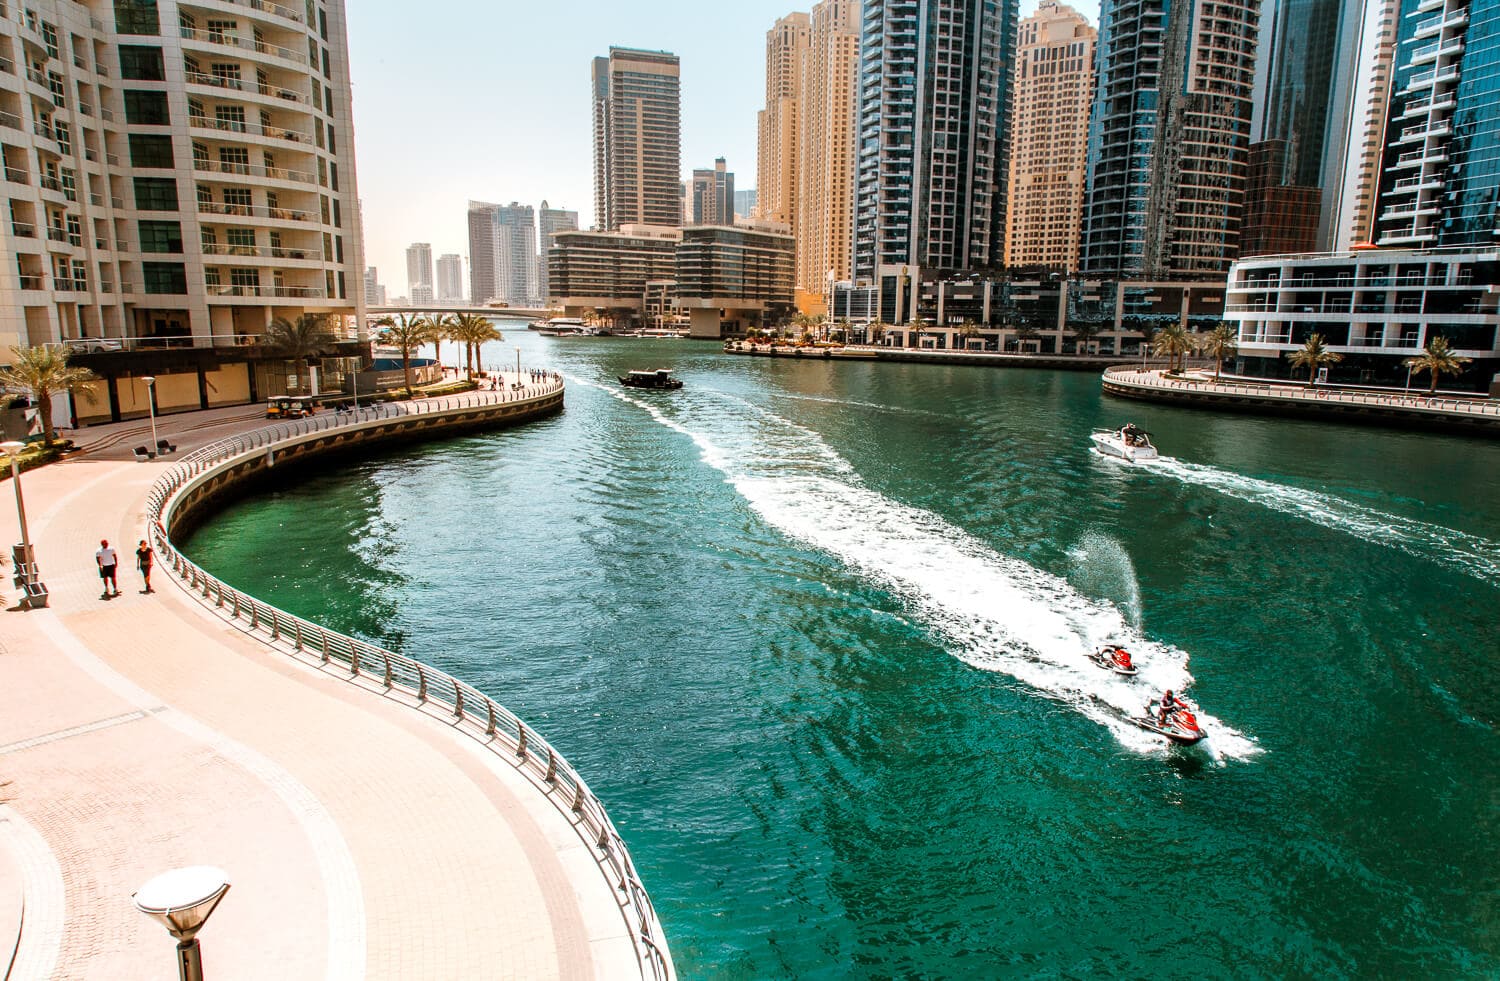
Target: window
<point>146,108</point>
<point>222,31</point>
<point>229,74</point>
<point>237,200</point>
<point>234,160</point>
<point>75,231</point>
<point>141,64</point>
<point>241,240</point>
<point>161,236</point>
<point>136,17</point>
<point>244,277</point>
<point>164,277</point>
<point>230,118</point>
<point>49,39</point>
<point>155,194</point>
<point>151,151</point>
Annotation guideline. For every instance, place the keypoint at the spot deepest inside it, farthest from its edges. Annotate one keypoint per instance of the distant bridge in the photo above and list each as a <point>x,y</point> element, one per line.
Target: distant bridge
<point>517,313</point>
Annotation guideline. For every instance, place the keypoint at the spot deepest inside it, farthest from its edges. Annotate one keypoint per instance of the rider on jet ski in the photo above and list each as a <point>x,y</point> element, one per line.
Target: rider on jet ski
<point>1170,703</point>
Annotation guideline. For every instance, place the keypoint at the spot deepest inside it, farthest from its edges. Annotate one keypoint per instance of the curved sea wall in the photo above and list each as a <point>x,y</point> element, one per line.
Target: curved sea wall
<point>193,487</point>
<point>1401,410</point>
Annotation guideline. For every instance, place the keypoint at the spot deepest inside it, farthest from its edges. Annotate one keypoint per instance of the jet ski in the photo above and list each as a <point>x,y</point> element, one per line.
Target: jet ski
<point>1181,726</point>
<point>1113,657</point>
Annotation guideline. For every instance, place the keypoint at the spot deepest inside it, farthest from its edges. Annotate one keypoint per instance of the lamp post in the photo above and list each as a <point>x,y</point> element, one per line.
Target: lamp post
<point>518,367</point>
<point>182,900</point>
<point>13,450</point>
<point>150,381</point>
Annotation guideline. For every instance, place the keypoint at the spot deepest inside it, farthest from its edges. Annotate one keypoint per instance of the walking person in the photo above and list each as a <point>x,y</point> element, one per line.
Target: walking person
<point>107,559</point>
<point>143,559</point>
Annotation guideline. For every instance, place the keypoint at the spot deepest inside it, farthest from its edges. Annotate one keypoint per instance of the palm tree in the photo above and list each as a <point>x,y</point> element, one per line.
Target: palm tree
<point>440,325</point>
<point>966,330</point>
<point>472,330</point>
<point>297,340</point>
<point>804,322</point>
<point>1312,355</point>
<point>1172,342</point>
<point>406,332</point>
<point>44,371</point>
<point>1083,332</point>
<point>1437,358</point>
<point>1221,344</point>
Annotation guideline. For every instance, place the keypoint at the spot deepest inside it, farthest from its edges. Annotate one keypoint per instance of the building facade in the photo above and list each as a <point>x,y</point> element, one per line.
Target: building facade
<point>374,291</point>
<point>450,279</point>
<point>516,280</point>
<point>1169,138</point>
<point>176,174</point>
<point>731,279</point>
<point>778,125</point>
<point>610,273</point>
<point>934,103</point>
<point>1054,88</point>
<point>713,195</point>
<point>1359,188</point>
<point>744,203</point>
<point>483,285</point>
<point>550,221</point>
<point>637,139</point>
<point>419,272</point>
<point>824,219</point>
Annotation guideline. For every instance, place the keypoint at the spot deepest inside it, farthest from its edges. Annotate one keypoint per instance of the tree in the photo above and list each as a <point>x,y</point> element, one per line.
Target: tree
<point>440,326</point>
<point>1312,355</point>
<point>843,329</point>
<point>966,330</point>
<point>473,330</point>
<point>1172,342</point>
<point>1083,332</point>
<point>1221,344</point>
<point>1437,358</point>
<point>406,332</point>
<point>877,331</point>
<point>44,371</point>
<point>297,340</point>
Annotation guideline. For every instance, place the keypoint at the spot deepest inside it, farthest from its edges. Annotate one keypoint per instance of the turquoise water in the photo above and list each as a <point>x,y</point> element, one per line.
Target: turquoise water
<point>812,631</point>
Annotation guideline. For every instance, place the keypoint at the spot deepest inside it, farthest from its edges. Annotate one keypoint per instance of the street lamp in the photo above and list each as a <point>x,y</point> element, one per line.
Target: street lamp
<point>150,381</point>
<point>518,367</point>
<point>182,900</point>
<point>25,562</point>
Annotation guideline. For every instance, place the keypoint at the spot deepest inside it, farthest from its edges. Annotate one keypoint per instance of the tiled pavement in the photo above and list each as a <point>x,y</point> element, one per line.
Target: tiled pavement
<point>362,838</point>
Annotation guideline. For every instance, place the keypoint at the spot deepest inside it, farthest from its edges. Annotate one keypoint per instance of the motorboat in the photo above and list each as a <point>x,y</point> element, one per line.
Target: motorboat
<point>661,378</point>
<point>1129,442</point>
<point>1113,657</point>
<point>563,327</point>
<point>1181,725</point>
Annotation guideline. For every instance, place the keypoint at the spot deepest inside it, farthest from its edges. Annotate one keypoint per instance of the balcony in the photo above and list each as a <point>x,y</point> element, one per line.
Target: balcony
<point>261,252</point>
<point>31,282</point>
<point>253,211</point>
<point>224,38</point>
<point>265,7</point>
<point>250,129</point>
<point>253,170</point>
<point>300,292</point>
<point>70,285</point>
<point>10,119</point>
<point>16,175</point>
<point>22,229</point>
<point>241,85</point>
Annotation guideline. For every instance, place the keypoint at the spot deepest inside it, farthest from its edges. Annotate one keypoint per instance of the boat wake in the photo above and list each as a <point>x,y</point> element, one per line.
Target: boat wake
<point>1475,556</point>
<point>995,612</point>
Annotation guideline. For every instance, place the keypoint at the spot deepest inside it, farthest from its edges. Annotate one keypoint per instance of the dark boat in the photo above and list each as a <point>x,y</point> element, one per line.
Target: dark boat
<point>660,378</point>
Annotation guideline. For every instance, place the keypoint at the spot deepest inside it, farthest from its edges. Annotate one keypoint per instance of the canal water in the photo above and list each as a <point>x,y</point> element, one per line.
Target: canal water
<point>814,632</point>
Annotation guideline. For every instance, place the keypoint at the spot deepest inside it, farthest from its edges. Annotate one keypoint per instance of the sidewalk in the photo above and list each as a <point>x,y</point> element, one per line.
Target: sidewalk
<point>362,838</point>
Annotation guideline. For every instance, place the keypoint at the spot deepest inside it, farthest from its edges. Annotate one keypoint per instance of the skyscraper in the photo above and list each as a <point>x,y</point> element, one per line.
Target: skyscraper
<point>1168,138</point>
<point>419,272</point>
<point>637,139</point>
<point>744,203</point>
<point>483,285</point>
<point>550,221</point>
<point>777,145</point>
<point>515,254</point>
<point>713,195</point>
<point>450,279</point>
<point>933,111</point>
<point>824,219</point>
<point>1354,222</point>
<point>1049,138</point>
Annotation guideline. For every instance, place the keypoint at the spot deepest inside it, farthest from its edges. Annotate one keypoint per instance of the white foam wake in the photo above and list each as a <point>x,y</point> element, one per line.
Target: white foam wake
<point>1471,554</point>
<point>997,613</point>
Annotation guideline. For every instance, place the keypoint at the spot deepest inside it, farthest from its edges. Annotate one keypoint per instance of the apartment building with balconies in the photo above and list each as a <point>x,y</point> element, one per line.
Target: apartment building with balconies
<point>177,175</point>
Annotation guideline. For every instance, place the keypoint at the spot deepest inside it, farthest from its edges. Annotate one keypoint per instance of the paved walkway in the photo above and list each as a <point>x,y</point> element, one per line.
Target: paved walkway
<point>362,838</point>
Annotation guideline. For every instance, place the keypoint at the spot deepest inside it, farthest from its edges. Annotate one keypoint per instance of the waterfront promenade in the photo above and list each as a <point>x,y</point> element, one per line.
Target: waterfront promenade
<point>363,837</point>
<point>1416,410</point>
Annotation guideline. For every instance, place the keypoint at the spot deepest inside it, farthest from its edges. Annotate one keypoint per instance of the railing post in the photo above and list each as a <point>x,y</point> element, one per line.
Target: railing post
<point>325,646</point>
<point>254,616</point>
<point>387,671</point>
<point>236,613</point>
<point>354,659</point>
<point>578,797</point>
<point>458,700</point>
<point>297,626</point>
<point>489,726</point>
<point>275,628</point>
<point>551,766</point>
<point>421,684</point>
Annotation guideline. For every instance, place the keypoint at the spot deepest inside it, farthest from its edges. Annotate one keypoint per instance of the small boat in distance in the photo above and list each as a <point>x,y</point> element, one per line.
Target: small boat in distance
<point>1129,442</point>
<point>660,378</point>
<point>562,327</point>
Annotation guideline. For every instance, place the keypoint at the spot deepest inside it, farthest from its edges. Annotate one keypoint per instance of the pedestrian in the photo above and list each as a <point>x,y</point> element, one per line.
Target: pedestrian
<point>107,560</point>
<point>143,558</point>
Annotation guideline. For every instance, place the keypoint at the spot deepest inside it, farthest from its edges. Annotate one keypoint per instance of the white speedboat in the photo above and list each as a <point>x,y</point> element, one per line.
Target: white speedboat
<point>1129,442</point>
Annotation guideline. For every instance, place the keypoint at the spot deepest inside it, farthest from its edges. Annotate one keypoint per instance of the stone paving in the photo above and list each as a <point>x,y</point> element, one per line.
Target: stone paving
<point>362,838</point>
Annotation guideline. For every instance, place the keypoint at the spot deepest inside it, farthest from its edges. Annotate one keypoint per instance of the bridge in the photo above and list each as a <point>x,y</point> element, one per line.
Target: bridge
<point>509,313</point>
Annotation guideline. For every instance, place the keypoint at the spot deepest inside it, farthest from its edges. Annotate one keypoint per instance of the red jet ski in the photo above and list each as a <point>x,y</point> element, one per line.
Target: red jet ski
<point>1181,726</point>
<point>1113,657</point>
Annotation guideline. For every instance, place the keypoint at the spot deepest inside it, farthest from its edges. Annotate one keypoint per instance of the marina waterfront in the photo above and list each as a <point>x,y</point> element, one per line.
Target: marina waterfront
<point>815,634</point>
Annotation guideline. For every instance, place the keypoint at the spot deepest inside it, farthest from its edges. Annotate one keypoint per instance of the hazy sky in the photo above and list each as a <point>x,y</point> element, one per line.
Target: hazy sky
<point>489,100</point>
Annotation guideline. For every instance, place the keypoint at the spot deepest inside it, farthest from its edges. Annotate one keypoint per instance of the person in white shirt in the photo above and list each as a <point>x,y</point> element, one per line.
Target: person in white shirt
<point>107,560</point>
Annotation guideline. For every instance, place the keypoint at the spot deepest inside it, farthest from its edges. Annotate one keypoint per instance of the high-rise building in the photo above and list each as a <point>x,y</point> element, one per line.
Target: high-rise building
<point>450,279</point>
<point>151,193</point>
<point>637,139</point>
<point>934,107</point>
<point>374,291</point>
<point>713,195</point>
<point>1441,165</point>
<point>515,255</point>
<point>550,221</point>
<point>419,272</point>
<point>744,203</point>
<point>483,285</point>
<point>1354,221</point>
<point>1307,59</point>
<point>1054,88</point>
<point>1168,138</point>
<point>777,124</point>
<point>824,219</point>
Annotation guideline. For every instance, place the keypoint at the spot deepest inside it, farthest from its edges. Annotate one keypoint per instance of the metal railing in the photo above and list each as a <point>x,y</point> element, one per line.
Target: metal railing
<point>470,710</point>
<point>1293,392</point>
